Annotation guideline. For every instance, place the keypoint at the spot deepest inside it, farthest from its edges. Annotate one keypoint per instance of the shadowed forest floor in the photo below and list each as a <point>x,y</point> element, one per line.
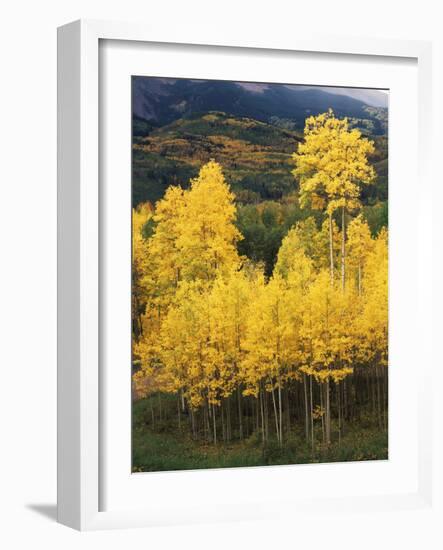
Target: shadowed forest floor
<point>167,447</point>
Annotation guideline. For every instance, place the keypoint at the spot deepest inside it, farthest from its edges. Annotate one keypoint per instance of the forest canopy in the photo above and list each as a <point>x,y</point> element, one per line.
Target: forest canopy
<point>261,318</point>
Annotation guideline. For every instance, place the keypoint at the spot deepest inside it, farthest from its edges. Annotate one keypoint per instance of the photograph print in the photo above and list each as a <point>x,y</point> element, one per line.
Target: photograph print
<point>259,274</point>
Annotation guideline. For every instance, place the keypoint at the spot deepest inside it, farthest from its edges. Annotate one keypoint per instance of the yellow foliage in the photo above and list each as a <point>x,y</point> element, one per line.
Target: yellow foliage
<point>332,163</point>
<point>212,323</point>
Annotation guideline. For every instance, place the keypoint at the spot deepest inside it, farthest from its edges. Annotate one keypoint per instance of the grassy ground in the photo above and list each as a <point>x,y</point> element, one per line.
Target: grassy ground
<point>167,448</point>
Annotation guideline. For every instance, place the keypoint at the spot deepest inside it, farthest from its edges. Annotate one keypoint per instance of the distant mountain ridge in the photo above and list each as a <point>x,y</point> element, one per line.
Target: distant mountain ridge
<point>161,101</point>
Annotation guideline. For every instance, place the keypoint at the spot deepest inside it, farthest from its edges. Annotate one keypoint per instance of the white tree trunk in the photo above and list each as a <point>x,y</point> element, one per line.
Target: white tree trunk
<point>331,251</point>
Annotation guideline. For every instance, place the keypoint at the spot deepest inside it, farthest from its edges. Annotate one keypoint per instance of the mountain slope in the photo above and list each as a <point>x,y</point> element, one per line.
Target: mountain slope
<point>161,101</point>
<point>256,156</point>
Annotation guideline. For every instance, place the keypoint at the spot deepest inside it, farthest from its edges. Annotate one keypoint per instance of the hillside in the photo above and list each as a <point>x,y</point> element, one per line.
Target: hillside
<point>255,155</point>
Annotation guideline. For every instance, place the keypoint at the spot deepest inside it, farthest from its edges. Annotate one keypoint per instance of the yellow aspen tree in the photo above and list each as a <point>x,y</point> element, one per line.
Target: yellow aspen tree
<point>162,280</point>
<point>154,266</point>
<point>140,262</point>
<point>194,241</point>
<point>297,241</point>
<point>298,270</point>
<point>195,236</point>
<point>268,343</point>
<point>326,329</point>
<point>373,322</point>
<point>207,234</point>
<point>371,333</point>
<point>331,165</point>
<point>303,241</point>
<point>360,245</point>
<point>183,337</point>
<point>200,340</point>
<point>232,302</point>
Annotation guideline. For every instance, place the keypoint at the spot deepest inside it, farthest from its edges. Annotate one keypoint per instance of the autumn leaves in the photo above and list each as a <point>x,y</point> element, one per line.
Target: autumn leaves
<point>211,328</point>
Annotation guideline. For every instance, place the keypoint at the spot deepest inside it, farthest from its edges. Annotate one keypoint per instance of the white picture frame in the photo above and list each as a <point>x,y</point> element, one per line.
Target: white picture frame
<point>80,422</point>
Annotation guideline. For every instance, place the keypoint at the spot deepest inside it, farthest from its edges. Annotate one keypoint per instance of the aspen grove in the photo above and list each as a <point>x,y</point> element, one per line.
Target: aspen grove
<point>242,354</point>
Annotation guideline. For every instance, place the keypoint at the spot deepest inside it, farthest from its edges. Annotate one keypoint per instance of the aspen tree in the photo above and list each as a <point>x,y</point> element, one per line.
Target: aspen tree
<point>140,264</point>
<point>331,165</point>
<point>360,245</point>
<point>207,235</point>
